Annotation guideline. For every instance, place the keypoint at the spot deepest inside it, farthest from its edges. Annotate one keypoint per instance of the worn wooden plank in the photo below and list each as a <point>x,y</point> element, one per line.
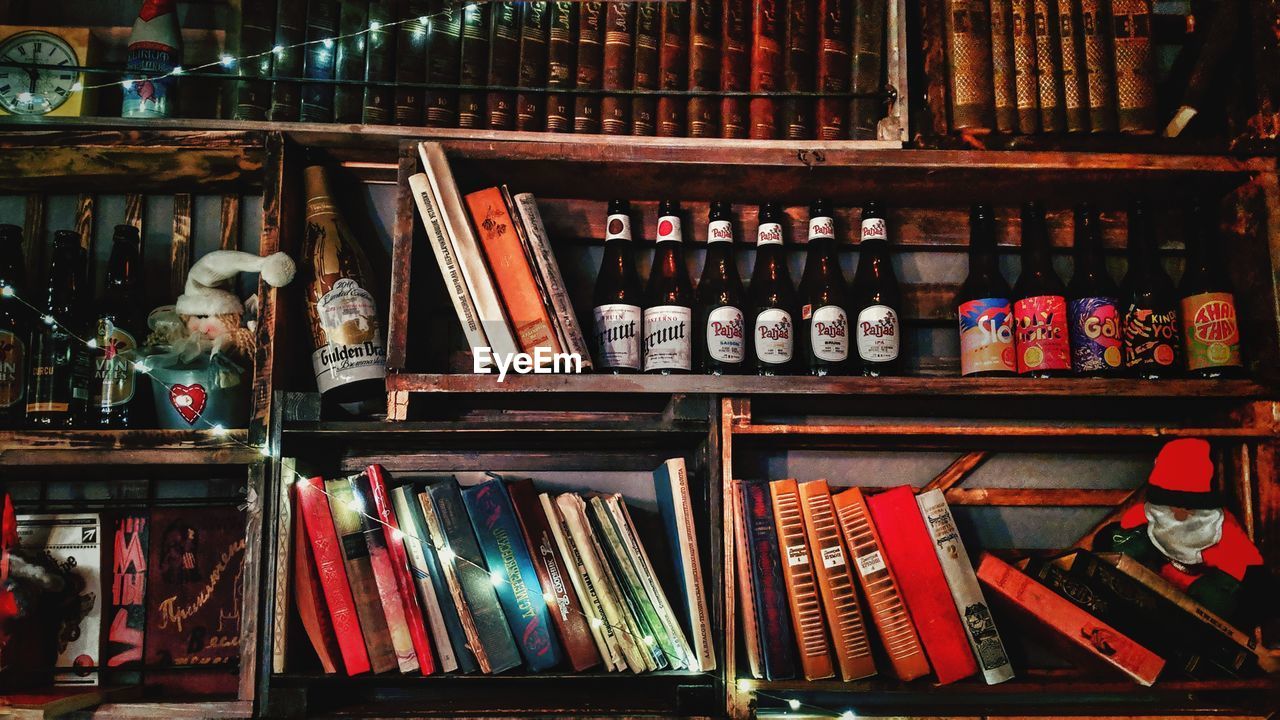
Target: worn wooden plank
<point>1035,497</point>
<point>229,223</point>
<point>171,711</point>
<point>957,471</point>
<point>402,263</point>
<point>280,205</point>
<point>84,222</point>
<point>281,594</point>
<point>140,168</point>
<point>1267,462</point>
<point>118,133</point>
<point>33,238</point>
<point>135,208</point>
<point>180,244</point>
<point>736,702</point>
<point>998,430</point>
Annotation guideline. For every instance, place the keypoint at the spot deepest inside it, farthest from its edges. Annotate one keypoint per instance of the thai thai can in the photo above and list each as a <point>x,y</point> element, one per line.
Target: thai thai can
<point>1210,328</point>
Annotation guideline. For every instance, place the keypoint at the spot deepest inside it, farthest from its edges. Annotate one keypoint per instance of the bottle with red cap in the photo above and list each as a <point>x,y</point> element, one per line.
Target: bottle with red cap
<point>617,302</point>
<point>668,310</point>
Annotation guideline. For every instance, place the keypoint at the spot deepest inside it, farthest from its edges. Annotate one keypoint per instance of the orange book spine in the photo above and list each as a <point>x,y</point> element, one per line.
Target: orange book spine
<point>802,586</point>
<point>511,271</point>
<point>839,597</point>
<point>880,587</point>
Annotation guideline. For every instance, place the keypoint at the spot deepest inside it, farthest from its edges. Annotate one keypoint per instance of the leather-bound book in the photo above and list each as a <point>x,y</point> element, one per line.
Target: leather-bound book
<point>766,68</point>
<point>561,63</point>
<point>880,587</point>
<point>317,521</point>
<point>1002,66</point>
<point>768,588</point>
<point>969,65</point>
<point>359,567</point>
<point>399,557</point>
<point>704,67</point>
<point>743,572</point>
<point>1095,22</point>
<point>869,32</point>
<point>834,65</point>
<point>1049,66</point>
<point>411,63</point>
<point>644,108</point>
<point>673,69</point>
<point>349,62</point>
<point>839,596</point>
<point>444,63</point>
<point>798,68</point>
<point>473,70</point>
<point>291,30</point>
<point>590,72</point>
<point>318,61</point>
<point>619,55</point>
<point>1135,65</point>
<point>531,107</point>
<point>380,64</point>
<point>257,37</point>
<point>1026,76</point>
<point>1075,81</point>
<point>308,596</point>
<point>735,67</point>
<point>802,584</point>
<point>504,64</point>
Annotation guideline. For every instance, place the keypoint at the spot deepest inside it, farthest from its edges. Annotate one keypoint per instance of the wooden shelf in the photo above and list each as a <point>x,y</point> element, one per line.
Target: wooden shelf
<point>125,447</point>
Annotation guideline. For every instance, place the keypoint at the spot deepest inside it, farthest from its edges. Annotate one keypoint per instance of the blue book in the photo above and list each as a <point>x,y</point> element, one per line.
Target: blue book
<point>773,615</point>
<point>515,576</point>
<point>671,484</point>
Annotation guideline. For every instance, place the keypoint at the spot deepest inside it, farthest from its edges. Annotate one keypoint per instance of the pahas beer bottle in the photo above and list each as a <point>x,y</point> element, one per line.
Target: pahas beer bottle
<point>668,308</point>
<point>875,299</point>
<point>824,312</point>
<point>983,304</point>
<point>617,301</point>
<point>772,321</point>
<point>722,349</point>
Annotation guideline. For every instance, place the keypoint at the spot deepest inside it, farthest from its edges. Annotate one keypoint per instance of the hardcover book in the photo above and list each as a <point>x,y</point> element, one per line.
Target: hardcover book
<point>359,567</point>
<point>798,69</point>
<point>432,590</point>
<point>1002,68</point>
<point>743,583</point>
<point>1026,76</point>
<point>652,633</point>
<point>533,235</point>
<point>768,588</point>
<point>590,70</point>
<point>673,69</point>
<point>644,108</point>
<point>291,31</point>
<point>380,63</point>
<point>801,582</point>
<point>834,67</point>
<point>399,557</point>
<point>473,69</point>
<point>308,595</point>
<point>318,61</point>
<point>671,482</point>
<point>1075,88</point>
<point>453,581</point>
<point>589,597</point>
<point>444,41</point>
<point>766,68</point>
<point>704,67</point>
<point>1100,74</point>
<point>504,64</point>
<point>411,63</point>
<point>868,63</point>
<point>126,616</point>
<point>349,61</point>
<point>384,576</point>
<point>969,64</point>
<point>532,72</point>
<point>1049,66</point>
<point>619,52</point>
<point>1134,54</point>
<point>257,38</point>
<point>735,67</point>
<point>561,64</point>
<point>73,540</point>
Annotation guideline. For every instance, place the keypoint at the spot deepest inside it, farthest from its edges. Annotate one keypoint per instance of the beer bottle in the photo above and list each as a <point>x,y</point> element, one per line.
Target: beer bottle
<point>668,307</point>
<point>617,299</point>
<point>1150,304</point>
<point>349,357</point>
<point>58,387</point>
<point>1093,308</point>
<point>1040,305</point>
<point>720,299</point>
<point>1210,329</point>
<point>117,327</point>
<point>875,299</point>
<point>983,304</point>
<point>824,309</point>
<point>773,298</point>
<point>14,329</point>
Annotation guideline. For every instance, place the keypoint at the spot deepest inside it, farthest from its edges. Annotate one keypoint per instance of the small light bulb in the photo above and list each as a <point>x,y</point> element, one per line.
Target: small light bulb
<point>177,70</point>
<point>744,686</point>
<point>278,50</point>
<point>128,84</point>
<point>848,715</point>
<point>219,430</point>
<point>424,19</point>
<point>447,554</point>
<point>227,61</point>
<point>77,86</point>
<point>91,343</point>
<point>397,534</point>
<point>496,579</point>
<point>328,43</point>
<point>301,481</point>
<point>7,291</point>
<point>649,641</point>
<point>794,704</point>
<point>375,26</point>
<point>264,451</point>
<point>141,367</point>
<point>550,598</point>
<point>49,320</point>
<point>597,622</point>
<point>355,505</point>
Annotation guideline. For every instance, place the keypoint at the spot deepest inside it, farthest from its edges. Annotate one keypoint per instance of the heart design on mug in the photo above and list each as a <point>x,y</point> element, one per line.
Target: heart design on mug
<point>189,401</point>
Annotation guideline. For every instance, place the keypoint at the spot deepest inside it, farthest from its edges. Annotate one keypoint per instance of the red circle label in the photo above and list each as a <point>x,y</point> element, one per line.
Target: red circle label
<point>664,228</point>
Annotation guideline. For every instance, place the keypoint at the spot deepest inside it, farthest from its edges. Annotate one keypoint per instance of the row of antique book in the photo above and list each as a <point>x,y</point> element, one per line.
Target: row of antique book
<point>569,66</point>
<point>803,555</point>
<point>431,577</point>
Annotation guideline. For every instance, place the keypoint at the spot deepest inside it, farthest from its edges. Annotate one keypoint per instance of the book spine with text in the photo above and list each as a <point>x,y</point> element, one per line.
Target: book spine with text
<point>318,61</point>
<point>549,270</point>
<point>473,67</point>
<point>1075,87</point>
<point>834,67</point>
<point>1100,76</point>
<point>561,64</point>
<point>798,69</point>
<point>649,579</point>
<point>768,588</point>
<point>450,571</point>
<point>308,597</point>
<point>766,68</point>
<point>384,576</point>
<point>590,67</point>
<point>1026,76</point>
<point>743,584</point>
<point>380,64</point>
<point>504,64</point>
<point>1002,66</point>
<point>659,645</point>
<point>446,258</point>
<point>399,557</point>
<point>644,108</point>
<point>866,110</point>
<point>1049,67</point>
<point>671,481</point>
<point>619,55</point>
<point>1134,54</point>
<point>583,585</point>
<point>735,67</point>
<point>539,277</point>
<point>969,65</point>
<point>802,583</point>
<point>673,69</point>
<point>350,542</point>
<point>257,37</point>
<point>704,67</point>
<point>444,64</point>
<point>531,107</point>
<point>839,596</point>
<point>317,521</point>
<point>349,62</point>
<point>126,614</point>
<point>291,31</point>
<point>410,63</point>
<point>409,518</point>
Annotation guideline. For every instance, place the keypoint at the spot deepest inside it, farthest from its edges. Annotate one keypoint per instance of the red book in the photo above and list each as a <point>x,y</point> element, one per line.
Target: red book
<point>1082,630</point>
<point>314,510</point>
<point>735,67</point>
<point>673,69</point>
<point>308,596</point>
<point>384,577</point>
<point>400,568</point>
<point>766,68</point>
<point>909,548</point>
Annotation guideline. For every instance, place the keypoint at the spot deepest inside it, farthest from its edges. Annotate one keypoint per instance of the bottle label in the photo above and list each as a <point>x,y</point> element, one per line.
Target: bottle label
<point>874,229</point>
<point>829,333</point>
<point>774,341</point>
<point>353,349</point>
<point>618,335</point>
<point>666,338</point>
<point>618,227</point>
<point>877,332</point>
<point>669,228</point>
<point>1042,336</point>
<point>822,227</point>
<point>55,372</point>
<point>769,234</point>
<point>13,368</point>
<point>986,336</point>
<point>1211,331</point>
<point>719,231</point>
<point>113,374</point>
<point>725,342</point>
<point>149,96</point>
<point>1096,336</point>
<point>1149,337</point>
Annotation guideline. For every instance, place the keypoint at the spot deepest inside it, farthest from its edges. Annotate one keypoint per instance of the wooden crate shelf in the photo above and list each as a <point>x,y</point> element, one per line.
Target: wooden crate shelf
<point>126,447</point>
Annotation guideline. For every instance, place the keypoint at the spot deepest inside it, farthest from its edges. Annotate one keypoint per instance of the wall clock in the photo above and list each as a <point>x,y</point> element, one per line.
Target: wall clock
<point>36,83</point>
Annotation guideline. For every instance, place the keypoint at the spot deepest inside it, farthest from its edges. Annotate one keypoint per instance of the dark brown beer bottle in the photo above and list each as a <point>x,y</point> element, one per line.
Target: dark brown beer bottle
<point>1040,304</point>
<point>773,298</point>
<point>824,309</point>
<point>1093,303</point>
<point>722,347</point>
<point>15,328</point>
<point>617,301</point>
<point>1150,304</point>
<point>875,303</point>
<point>117,328</point>
<point>984,304</point>
<point>58,386</point>
<point>668,307</point>
<point>1210,328</point>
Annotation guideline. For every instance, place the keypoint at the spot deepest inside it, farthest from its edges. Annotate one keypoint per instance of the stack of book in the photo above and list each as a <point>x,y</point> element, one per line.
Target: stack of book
<point>494,576</point>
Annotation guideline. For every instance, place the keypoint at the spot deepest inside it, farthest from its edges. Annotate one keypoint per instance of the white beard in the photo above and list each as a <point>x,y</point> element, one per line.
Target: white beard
<point>1183,541</point>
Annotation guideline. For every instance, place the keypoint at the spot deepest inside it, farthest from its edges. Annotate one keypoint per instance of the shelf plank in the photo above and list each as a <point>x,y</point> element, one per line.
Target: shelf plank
<point>125,447</point>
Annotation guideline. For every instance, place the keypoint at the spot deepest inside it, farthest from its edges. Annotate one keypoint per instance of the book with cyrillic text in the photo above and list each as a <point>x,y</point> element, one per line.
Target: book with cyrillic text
<point>802,583</point>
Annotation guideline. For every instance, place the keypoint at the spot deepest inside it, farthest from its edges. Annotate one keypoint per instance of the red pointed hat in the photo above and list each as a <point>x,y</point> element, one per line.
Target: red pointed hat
<point>1183,476</point>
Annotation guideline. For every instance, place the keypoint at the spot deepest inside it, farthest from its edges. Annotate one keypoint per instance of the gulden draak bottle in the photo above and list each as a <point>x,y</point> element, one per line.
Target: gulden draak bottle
<point>1210,329</point>
<point>668,308</point>
<point>875,300</point>
<point>117,326</point>
<point>824,312</point>
<point>1093,303</point>
<point>983,304</point>
<point>15,329</point>
<point>773,298</point>
<point>721,299</point>
<point>617,303</point>
<point>1040,304</point>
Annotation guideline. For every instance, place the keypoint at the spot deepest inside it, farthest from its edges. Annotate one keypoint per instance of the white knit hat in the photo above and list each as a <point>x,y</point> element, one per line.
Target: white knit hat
<point>203,296</point>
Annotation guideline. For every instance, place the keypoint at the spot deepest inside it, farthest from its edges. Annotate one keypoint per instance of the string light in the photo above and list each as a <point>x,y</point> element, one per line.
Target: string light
<point>328,43</point>
<point>227,61</point>
<point>496,578</point>
<point>91,343</point>
<point>48,320</point>
<point>6,291</point>
<point>794,704</point>
<point>375,26</point>
<point>355,505</point>
<point>177,70</point>
<point>848,715</point>
<point>219,430</point>
<point>446,554</point>
<point>397,535</point>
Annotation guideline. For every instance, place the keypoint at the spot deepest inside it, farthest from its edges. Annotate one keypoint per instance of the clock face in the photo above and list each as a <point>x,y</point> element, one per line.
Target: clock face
<point>36,85</point>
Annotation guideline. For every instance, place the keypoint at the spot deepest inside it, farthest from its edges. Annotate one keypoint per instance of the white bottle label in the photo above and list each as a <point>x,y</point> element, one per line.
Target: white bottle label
<point>829,333</point>
<point>774,337</point>
<point>354,349</point>
<point>719,231</point>
<point>874,229</point>
<point>618,227</point>
<point>769,234</point>
<point>878,334</point>
<point>666,338</point>
<point>725,342</point>
<point>822,227</point>
<point>669,229</point>
<point>618,335</point>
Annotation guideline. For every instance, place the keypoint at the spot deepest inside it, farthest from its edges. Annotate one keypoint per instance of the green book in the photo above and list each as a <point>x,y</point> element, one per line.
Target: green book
<point>655,635</point>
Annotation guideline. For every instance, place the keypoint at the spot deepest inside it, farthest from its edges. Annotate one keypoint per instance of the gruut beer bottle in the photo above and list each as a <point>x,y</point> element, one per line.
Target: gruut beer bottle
<point>349,357</point>
<point>117,326</point>
<point>983,304</point>
<point>1150,304</point>
<point>668,307</point>
<point>58,386</point>
<point>616,304</point>
<point>773,298</point>
<point>1210,330</point>
<point>14,329</point>
<point>875,300</point>
<point>1093,306</point>
<point>720,299</point>
<point>824,310</point>
<point>1040,305</point>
